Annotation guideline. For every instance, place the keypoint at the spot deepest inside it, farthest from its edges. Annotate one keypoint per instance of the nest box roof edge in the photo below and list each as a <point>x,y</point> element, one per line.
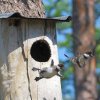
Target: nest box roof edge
<point>17,15</point>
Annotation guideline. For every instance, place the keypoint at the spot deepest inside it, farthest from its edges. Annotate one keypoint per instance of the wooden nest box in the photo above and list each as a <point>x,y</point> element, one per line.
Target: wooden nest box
<point>26,43</point>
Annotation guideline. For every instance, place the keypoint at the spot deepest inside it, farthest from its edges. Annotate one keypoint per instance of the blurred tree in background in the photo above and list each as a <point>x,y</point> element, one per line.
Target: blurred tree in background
<point>83,35</point>
<point>83,27</point>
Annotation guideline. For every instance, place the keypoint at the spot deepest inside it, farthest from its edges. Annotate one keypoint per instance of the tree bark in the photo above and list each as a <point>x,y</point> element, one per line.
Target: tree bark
<point>27,8</point>
<point>83,33</point>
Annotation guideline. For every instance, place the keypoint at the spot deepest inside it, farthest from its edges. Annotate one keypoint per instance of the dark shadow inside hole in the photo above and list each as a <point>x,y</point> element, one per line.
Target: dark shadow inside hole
<point>40,51</point>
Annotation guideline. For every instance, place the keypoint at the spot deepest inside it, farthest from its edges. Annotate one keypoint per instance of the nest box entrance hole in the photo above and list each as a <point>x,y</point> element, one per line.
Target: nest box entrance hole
<point>40,51</point>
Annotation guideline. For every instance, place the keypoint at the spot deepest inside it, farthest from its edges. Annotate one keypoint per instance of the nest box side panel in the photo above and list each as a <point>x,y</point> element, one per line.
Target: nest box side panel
<point>14,83</point>
<point>16,62</point>
<point>45,89</point>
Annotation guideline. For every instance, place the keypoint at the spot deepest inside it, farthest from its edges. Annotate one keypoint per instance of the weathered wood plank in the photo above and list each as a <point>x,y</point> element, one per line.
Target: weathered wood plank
<point>15,83</point>
<point>50,89</point>
<point>16,75</point>
<point>46,88</point>
<point>33,34</point>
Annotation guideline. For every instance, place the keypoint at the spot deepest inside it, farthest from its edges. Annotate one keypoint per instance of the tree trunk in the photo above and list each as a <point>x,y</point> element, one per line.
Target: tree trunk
<point>83,33</point>
<point>28,8</point>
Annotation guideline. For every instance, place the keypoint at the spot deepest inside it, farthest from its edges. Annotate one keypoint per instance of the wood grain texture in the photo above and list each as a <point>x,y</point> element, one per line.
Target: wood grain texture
<point>16,75</point>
